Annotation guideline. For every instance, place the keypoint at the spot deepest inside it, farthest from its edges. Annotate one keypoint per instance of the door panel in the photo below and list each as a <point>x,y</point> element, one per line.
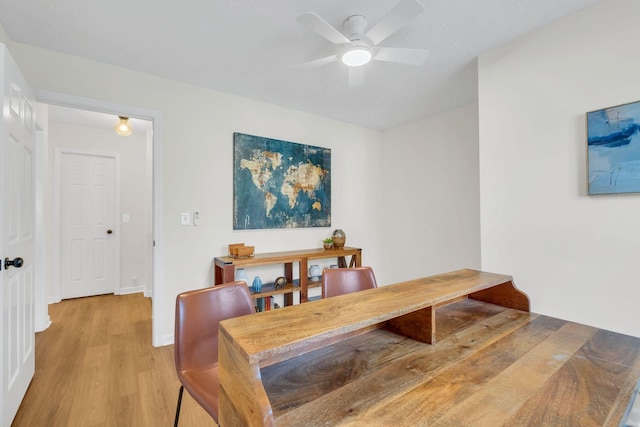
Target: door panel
<point>17,213</point>
<point>87,214</point>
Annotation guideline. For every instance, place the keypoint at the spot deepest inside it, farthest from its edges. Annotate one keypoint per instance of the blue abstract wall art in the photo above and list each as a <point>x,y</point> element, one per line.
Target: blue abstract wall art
<point>280,184</point>
<point>613,140</point>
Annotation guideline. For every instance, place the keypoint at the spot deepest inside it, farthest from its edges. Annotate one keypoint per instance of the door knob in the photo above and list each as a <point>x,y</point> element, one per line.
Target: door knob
<point>109,231</point>
<point>16,262</point>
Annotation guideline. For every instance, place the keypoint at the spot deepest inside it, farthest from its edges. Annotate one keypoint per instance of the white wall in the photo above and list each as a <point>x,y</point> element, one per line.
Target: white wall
<point>576,256</point>
<point>198,126</point>
<point>395,214</point>
<point>430,208</point>
<point>134,193</point>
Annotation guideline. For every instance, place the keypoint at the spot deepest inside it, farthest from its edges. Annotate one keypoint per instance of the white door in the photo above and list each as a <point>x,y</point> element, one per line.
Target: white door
<point>17,219</point>
<point>87,224</point>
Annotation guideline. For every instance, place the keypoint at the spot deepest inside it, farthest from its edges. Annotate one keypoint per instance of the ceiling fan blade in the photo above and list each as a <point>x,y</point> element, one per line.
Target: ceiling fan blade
<point>317,62</point>
<point>401,55</point>
<point>397,17</point>
<point>356,76</point>
<point>323,28</point>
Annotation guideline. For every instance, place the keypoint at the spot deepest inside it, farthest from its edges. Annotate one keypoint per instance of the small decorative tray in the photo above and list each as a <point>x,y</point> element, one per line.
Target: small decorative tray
<point>239,250</point>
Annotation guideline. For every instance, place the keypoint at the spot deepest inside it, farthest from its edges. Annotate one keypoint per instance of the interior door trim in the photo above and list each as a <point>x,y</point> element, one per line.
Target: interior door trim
<point>157,293</point>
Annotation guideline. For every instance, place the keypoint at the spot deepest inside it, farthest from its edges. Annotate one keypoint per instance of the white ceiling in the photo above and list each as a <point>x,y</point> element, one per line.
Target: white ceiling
<point>94,119</point>
<point>246,47</point>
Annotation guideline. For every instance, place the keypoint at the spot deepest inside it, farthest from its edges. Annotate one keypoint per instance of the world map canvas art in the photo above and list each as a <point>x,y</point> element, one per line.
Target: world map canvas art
<point>280,184</point>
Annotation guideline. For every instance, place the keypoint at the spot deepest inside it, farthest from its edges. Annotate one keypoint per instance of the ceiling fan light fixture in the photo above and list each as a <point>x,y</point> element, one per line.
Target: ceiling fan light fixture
<point>123,126</point>
<point>356,56</point>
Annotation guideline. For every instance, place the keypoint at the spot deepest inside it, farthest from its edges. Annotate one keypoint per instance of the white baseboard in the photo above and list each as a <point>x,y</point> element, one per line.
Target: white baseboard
<point>167,339</point>
<point>46,323</point>
<point>131,290</point>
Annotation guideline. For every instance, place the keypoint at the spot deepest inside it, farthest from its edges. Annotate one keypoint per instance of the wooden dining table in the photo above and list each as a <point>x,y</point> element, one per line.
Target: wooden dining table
<point>455,349</point>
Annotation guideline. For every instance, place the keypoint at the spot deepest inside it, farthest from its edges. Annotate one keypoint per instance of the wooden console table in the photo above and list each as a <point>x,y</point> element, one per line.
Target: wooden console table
<point>459,348</point>
<point>225,268</point>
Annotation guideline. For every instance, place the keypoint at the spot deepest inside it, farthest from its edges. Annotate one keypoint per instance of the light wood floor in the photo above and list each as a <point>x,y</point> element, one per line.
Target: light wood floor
<point>95,366</point>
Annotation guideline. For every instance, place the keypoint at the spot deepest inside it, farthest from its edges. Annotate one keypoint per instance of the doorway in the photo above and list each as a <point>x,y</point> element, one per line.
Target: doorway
<point>150,280</point>
<point>102,205</point>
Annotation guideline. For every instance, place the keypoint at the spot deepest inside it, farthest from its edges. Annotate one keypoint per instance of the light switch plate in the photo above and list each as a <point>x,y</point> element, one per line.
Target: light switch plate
<point>185,218</point>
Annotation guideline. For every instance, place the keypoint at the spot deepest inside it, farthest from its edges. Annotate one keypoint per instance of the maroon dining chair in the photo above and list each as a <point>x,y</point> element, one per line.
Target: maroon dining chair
<point>198,314</point>
<point>339,281</point>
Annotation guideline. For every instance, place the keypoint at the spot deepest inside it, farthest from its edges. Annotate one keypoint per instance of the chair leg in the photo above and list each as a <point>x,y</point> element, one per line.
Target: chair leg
<point>175,424</point>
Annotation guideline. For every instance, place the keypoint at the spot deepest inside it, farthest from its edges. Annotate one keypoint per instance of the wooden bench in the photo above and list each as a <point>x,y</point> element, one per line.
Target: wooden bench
<point>247,345</point>
<point>416,353</point>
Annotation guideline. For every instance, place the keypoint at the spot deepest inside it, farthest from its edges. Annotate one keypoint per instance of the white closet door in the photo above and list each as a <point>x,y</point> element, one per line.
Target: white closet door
<point>87,219</point>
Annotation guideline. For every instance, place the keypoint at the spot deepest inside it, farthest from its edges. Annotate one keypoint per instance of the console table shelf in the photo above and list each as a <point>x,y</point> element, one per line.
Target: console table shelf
<point>225,268</point>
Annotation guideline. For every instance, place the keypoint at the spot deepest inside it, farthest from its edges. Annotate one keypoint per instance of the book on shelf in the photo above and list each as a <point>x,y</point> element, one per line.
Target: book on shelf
<point>265,304</point>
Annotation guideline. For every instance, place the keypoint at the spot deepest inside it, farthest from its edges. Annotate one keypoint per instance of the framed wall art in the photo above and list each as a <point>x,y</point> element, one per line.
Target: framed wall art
<point>613,141</point>
<point>280,184</point>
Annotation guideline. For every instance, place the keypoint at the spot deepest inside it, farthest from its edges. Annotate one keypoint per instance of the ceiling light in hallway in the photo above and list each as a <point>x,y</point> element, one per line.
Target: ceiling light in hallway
<point>122,126</point>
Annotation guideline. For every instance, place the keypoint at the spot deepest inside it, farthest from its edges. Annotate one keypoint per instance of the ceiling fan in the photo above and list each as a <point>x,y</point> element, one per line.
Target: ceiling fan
<point>357,47</point>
